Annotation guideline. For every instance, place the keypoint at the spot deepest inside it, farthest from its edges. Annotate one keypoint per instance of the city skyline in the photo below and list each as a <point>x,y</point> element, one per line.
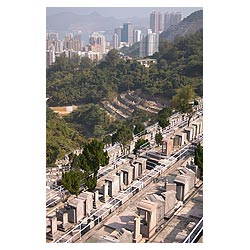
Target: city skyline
<point>120,12</point>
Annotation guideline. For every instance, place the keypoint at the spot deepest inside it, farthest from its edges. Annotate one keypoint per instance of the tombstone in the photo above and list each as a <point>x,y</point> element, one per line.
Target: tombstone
<point>141,165</point>
<point>167,146</point>
<point>179,140</point>
<point>195,128</point>
<point>76,211</point>
<point>148,210</point>
<point>135,167</point>
<point>182,186</point>
<point>88,200</point>
<point>170,201</point>
<point>189,132</point>
<point>113,185</point>
<point>127,174</point>
<point>137,235</point>
<point>65,225</point>
<point>196,170</point>
<point>53,228</point>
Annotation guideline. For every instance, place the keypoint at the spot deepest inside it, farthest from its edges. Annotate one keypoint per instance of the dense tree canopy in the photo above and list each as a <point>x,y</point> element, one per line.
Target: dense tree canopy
<point>80,81</point>
<point>85,166</point>
<point>60,138</point>
<point>91,158</point>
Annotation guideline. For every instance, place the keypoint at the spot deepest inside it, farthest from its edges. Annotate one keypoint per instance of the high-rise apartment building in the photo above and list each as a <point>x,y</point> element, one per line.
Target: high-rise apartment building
<point>127,33</point>
<point>156,22</point>
<point>97,40</point>
<point>118,31</point>
<point>178,17</point>
<point>149,44</point>
<point>50,57</point>
<point>137,36</point>
<point>175,18</point>
<point>115,41</point>
<point>166,21</point>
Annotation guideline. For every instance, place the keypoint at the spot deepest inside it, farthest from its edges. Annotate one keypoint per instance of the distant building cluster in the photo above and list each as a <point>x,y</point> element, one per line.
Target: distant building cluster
<point>125,35</point>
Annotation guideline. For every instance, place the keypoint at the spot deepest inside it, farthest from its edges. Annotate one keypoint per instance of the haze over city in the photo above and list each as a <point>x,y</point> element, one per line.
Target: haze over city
<point>120,12</point>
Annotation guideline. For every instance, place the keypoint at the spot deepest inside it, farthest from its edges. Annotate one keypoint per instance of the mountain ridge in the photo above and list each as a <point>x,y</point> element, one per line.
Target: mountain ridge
<point>187,26</point>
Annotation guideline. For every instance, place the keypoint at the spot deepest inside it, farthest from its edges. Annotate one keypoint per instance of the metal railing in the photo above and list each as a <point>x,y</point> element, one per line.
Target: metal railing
<point>195,232</point>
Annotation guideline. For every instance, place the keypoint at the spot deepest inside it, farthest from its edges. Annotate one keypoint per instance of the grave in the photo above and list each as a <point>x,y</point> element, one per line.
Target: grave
<point>75,212</point>
<point>88,202</point>
<point>170,202</point>
<point>113,182</point>
<point>127,174</point>
<point>51,235</point>
<point>147,211</point>
<point>167,146</point>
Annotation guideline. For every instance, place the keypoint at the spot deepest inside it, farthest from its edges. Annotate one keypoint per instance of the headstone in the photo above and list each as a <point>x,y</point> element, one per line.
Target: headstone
<point>170,201</point>
<point>149,209</point>
<point>77,205</point>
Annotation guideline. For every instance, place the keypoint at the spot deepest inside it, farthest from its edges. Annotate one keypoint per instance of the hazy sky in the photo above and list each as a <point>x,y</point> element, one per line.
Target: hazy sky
<point>120,12</point>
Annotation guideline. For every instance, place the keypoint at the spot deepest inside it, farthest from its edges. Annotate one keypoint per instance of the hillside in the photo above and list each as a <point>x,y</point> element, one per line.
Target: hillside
<point>60,138</point>
<point>187,26</point>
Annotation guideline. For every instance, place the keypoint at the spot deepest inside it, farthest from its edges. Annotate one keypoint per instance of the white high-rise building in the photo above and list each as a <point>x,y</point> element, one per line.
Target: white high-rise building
<point>50,57</point>
<point>115,41</point>
<point>149,44</point>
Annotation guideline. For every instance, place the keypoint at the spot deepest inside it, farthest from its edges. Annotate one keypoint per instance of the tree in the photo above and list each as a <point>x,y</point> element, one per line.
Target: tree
<point>85,63</point>
<point>123,135</point>
<point>198,157</point>
<point>71,181</point>
<point>158,138</point>
<point>89,161</point>
<point>139,127</point>
<point>112,57</point>
<point>163,117</point>
<point>163,122</point>
<point>107,139</point>
<point>93,156</point>
<point>138,144</point>
<point>182,99</point>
